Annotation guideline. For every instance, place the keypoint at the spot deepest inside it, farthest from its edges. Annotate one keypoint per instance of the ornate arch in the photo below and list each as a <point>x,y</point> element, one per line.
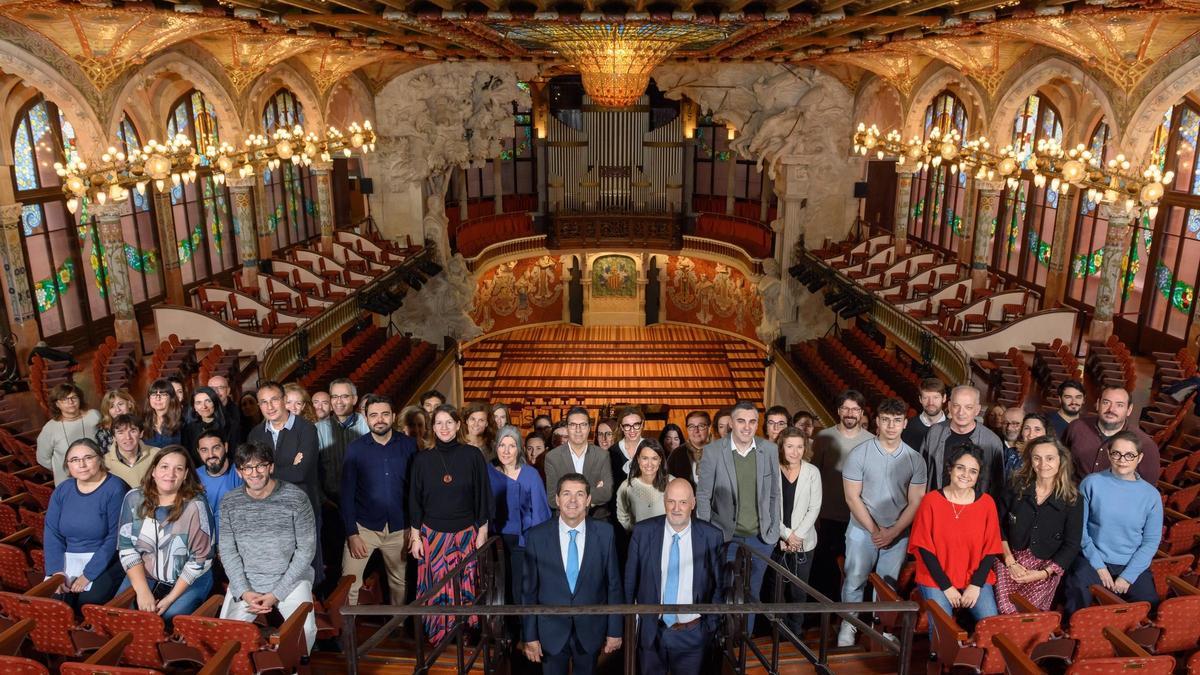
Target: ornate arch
<point>42,76</point>
<point>1139,132</point>
<point>200,77</point>
<point>1012,98</point>
<point>359,92</point>
<point>933,85</point>
<point>874,89</point>
<point>283,76</point>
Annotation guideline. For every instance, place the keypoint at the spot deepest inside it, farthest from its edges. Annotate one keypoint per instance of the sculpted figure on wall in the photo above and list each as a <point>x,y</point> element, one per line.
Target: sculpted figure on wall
<point>441,307</point>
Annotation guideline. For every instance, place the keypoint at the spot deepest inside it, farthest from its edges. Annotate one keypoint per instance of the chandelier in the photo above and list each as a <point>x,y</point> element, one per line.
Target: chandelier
<point>615,60</point>
<point>1115,183</point>
<point>176,161</point>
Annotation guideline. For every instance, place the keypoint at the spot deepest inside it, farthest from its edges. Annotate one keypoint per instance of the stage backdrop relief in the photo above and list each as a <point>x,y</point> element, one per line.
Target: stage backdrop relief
<point>519,292</point>
<point>709,293</point>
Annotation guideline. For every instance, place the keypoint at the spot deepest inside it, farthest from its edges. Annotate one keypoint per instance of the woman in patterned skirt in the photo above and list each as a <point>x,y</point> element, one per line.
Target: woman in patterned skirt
<point>1040,527</point>
<point>450,503</point>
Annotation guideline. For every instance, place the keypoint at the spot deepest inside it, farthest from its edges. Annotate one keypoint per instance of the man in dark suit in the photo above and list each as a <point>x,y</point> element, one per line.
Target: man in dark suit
<point>571,560</point>
<point>674,559</point>
<point>294,441</point>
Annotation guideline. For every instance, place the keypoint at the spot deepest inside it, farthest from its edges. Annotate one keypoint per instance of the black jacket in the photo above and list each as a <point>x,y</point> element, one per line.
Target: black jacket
<point>1051,531</point>
<point>295,456</point>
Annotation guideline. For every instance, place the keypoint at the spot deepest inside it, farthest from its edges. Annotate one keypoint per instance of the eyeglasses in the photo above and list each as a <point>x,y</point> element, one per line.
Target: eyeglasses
<point>578,425</point>
<point>255,468</point>
<point>69,399</point>
<point>698,427</point>
<point>1123,456</point>
<point>631,427</point>
<point>775,423</point>
<point>849,411</point>
<point>80,461</point>
<point>156,394</point>
<point>341,396</point>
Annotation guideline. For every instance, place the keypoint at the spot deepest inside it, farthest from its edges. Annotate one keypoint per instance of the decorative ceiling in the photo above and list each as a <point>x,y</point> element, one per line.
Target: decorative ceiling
<point>894,39</point>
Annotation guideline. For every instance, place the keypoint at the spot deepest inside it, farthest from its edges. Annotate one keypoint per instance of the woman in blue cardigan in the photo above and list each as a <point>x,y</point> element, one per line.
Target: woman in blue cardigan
<point>80,534</point>
<point>520,504</point>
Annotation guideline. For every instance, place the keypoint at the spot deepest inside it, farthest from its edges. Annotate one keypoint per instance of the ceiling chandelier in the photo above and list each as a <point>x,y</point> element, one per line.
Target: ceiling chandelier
<point>615,60</point>
<point>1115,182</point>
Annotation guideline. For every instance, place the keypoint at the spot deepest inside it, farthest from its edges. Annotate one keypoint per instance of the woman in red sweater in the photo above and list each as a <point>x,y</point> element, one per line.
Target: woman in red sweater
<point>956,538</point>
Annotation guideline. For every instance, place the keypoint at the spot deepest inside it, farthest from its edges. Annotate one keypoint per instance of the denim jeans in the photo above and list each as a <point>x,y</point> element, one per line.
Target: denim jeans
<point>194,596</point>
<point>758,569</point>
<point>984,607</point>
<point>862,558</point>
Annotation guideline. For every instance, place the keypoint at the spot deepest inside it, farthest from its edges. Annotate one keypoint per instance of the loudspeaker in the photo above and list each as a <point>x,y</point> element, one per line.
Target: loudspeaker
<point>860,189</point>
<point>366,185</point>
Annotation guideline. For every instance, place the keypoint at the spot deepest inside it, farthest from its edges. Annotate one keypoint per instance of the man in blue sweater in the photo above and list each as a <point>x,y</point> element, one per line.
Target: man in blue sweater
<point>217,474</point>
<point>1122,527</point>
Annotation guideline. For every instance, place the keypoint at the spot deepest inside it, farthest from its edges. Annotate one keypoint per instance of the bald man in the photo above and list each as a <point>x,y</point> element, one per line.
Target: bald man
<point>233,412</point>
<point>674,559</point>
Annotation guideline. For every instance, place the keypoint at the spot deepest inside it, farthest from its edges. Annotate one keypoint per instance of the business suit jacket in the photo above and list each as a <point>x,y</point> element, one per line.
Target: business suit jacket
<point>716,491</point>
<point>596,468</point>
<point>643,571</point>
<point>545,583</point>
<point>301,440</point>
<point>934,452</point>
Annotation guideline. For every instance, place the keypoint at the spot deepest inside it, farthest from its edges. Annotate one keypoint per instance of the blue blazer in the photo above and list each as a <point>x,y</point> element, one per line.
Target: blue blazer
<point>643,571</point>
<point>545,583</point>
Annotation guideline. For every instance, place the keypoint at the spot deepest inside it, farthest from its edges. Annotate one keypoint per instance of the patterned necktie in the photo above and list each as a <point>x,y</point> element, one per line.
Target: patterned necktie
<point>572,560</point>
<point>671,594</point>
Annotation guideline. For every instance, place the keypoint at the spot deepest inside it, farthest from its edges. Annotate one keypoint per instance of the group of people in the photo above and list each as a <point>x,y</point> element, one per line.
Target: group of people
<point>176,500</point>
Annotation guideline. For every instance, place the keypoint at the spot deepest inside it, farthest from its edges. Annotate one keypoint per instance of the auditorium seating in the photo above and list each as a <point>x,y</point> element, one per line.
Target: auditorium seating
<point>1110,364</point>
<point>1053,364</point>
<point>475,235</point>
<point>45,375</point>
<point>756,238</point>
<point>356,350</point>
<point>830,367</point>
<point>172,357</point>
<point>114,364</point>
<point>478,208</point>
<point>742,208</point>
<point>1008,376</point>
<point>201,635</point>
<point>1132,658</point>
<point>898,374</point>
<point>226,363</point>
<point>956,649</point>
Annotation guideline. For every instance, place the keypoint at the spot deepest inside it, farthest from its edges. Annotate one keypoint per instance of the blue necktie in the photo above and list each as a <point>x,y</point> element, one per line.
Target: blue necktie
<point>671,594</point>
<point>572,560</point>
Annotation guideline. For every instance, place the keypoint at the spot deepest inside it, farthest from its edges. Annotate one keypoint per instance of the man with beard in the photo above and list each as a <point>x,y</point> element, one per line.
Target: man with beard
<point>961,428</point>
<point>217,475</point>
<point>932,400</point>
<point>1089,437</point>
<point>374,494</point>
<point>1070,404</point>
<point>684,461</point>
<point>1014,418</point>
<point>831,447</point>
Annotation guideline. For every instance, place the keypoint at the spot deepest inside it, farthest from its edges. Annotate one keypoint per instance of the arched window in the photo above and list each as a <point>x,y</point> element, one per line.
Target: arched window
<point>290,189</point>
<point>938,192</point>
<point>1091,230</point>
<point>138,230</point>
<point>1027,212</point>
<point>68,294</point>
<point>203,219</point>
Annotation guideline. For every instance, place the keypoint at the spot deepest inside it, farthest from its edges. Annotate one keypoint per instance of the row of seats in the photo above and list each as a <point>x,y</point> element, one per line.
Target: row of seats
<point>742,208</point>
<point>172,357</point>
<point>1110,364</point>
<point>45,375</point>
<point>355,350</point>
<point>898,374</point>
<point>475,235</point>
<point>748,233</point>
<point>1008,376</point>
<point>830,368</point>
<point>115,364</point>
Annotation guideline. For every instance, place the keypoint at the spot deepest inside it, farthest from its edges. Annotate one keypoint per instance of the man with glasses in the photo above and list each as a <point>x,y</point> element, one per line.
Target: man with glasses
<point>374,496</point>
<point>1014,419</point>
<point>777,420</point>
<point>229,406</point>
<point>630,422</point>
<point>1090,437</point>
<point>884,481</point>
<point>1122,528</point>
<point>579,456</point>
<point>740,491</point>
<point>344,426</point>
<point>831,447</point>
<point>961,428</point>
<point>684,461</point>
<point>267,544</point>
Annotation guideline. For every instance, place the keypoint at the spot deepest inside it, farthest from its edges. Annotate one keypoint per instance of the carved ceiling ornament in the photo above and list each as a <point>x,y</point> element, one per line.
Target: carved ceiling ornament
<point>247,54</point>
<point>898,68</point>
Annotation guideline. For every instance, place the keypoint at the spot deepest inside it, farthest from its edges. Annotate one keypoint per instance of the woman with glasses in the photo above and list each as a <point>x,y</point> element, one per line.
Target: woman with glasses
<point>801,504</point>
<point>1122,527</point>
<point>640,496</point>
<point>164,416</point>
<point>1041,518</point>
<point>449,506</point>
<point>70,420</point>
<point>165,540</point>
<point>630,420</point>
<point>113,404</point>
<point>80,534</point>
<point>606,433</point>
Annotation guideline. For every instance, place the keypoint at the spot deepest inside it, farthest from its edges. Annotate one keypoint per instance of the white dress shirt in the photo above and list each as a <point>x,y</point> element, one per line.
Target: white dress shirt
<point>683,594</point>
<point>577,460</point>
<point>753,443</point>
<point>564,540</point>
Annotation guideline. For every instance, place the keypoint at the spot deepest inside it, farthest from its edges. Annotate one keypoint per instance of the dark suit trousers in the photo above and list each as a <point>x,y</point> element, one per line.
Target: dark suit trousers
<point>679,652</point>
<point>572,659</point>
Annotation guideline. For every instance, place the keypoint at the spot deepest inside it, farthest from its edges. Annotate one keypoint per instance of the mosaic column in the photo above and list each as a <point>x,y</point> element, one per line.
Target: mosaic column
<point>1116,248</point>
<point>904,177</point>
<point>1060,252</point>
<point>989,209</point>
<point>243,223</point>
<point>321,172</point>
<point>21,309</point>
<point>966,247</point>
<point>120,297</point>
<point>164,213</point>
<point>266,243</point>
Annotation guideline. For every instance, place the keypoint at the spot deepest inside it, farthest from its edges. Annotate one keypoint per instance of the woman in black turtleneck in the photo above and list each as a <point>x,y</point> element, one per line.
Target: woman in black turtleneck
<point>449,505</point>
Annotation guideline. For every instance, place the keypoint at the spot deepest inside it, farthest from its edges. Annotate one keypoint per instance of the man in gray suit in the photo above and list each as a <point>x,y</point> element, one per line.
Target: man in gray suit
<point>739,491</point>
<point>579,456</point>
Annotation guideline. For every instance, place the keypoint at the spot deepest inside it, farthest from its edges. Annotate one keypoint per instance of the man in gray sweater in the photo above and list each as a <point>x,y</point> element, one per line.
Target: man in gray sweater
<point>268,538</point>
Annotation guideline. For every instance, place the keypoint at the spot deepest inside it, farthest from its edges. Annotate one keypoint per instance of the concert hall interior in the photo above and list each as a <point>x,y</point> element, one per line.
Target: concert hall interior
<point>866,303</point>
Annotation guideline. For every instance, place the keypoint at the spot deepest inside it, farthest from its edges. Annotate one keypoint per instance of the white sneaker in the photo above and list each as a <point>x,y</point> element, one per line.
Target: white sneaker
<point>847,634</point>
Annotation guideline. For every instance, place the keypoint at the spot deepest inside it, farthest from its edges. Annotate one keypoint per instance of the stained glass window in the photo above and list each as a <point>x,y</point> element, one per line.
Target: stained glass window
<point>291,189</point>
<point>201,209</point>
<point>938,194</point>
<point>139,231</point>
<point>1091,229</point>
